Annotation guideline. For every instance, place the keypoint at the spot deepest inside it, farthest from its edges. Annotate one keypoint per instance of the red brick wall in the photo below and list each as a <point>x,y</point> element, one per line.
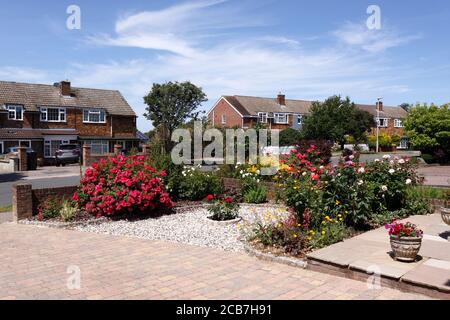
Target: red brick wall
<point>233,119</point>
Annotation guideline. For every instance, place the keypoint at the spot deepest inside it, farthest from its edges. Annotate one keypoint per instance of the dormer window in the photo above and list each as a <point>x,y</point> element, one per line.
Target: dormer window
<point>94,116</point>
<point>262,117</point>
<point>53,114</point>
<point>15,112</point>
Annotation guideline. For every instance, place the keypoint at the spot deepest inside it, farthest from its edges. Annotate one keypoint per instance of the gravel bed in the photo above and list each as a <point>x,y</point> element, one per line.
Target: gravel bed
<point>187,227</point>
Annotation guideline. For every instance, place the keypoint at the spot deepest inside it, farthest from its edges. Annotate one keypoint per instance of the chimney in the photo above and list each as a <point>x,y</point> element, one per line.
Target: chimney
<point>379,105</point>
<point>65,88</point>
<point>281,99</point>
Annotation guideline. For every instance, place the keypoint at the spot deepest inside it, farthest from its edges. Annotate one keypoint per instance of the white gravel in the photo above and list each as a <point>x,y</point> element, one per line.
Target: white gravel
<point>189,227</point>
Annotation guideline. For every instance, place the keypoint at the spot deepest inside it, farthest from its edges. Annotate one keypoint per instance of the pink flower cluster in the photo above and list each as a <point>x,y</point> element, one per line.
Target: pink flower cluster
<point>121,185</point>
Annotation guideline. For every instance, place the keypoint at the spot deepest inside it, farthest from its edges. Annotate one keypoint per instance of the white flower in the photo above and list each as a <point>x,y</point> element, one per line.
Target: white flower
<point>392,162</point>
<point>258,172</point>
<point>321,167</point>
<point>257,180</point>
<point>360,182</point>
<point>386,157</point>
<point>384,188</point>
<point>361,170</point>
<point>408,181</point>
<point>401,161</point>
<point>391,171</point>
<point>351,157</point>
<point>304,173</point>
<point>377,160</point>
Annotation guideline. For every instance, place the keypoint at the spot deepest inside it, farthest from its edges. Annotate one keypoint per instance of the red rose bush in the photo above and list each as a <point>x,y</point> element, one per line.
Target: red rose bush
<point>121,185</point>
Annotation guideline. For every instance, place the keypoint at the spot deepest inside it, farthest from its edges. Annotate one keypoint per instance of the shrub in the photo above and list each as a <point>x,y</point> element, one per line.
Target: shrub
<point>322,148</point>
<point>256,194</point>
<point>223,208</point>
<point>68,211</point>
<point>121,185</point>
<point>289,137</point>
<point>331,231</point>
<point>196,185</point>
<point>49,209</point>
<point>428,158</point>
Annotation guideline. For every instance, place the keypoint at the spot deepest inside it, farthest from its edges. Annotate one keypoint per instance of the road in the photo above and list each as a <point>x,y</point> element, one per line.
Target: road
<point>42,178</point>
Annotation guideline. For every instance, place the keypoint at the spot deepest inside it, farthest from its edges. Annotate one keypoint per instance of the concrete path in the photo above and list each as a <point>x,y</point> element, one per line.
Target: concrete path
<point>42,263</point>
<point>370,252</point>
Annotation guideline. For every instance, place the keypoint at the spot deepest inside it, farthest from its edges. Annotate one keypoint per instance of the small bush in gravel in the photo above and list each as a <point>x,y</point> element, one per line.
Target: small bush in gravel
<point>196,185</point>
<point>119,185</point>
<point>49,209</point>
<point>223,208</point>
<point>68,210</point>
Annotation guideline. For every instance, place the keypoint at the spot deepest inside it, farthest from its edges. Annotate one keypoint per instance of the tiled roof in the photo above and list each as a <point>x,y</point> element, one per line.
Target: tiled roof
<point>32,96</point>
<point>13,133</point>
<point>250,106</point>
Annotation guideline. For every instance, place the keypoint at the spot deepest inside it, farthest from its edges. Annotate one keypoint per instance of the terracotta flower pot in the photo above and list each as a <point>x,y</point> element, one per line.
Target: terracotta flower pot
<point>405,248</point>
<point>445,214</point>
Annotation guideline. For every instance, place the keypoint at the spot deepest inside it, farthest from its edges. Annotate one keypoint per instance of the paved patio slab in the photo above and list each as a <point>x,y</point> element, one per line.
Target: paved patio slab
<point>38,263</point>
<point>371,253</point>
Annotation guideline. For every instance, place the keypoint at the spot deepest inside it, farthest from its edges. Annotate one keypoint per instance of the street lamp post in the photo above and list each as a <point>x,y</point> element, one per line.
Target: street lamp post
<point>378,121</point>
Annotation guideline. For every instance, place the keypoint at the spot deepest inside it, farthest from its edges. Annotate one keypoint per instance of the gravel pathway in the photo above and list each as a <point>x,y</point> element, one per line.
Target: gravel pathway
<point>190,227</point>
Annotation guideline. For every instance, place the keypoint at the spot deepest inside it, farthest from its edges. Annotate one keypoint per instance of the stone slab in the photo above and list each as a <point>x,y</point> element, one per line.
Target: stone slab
<point>432,273</point>
<point>435,249</point>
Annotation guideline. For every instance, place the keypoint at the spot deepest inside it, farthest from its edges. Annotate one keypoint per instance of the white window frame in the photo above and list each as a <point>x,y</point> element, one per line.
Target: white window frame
<point>62,115</point>
<point>398,123</point>
<point>379,122</point>
<point>224,119</point>
<point>2,147</point>
<point>94,111</point>
<point>101,143</point>
<point>13,108</point>
<point>299,119</point>
<point>262,117</point>
<point>276,118</point>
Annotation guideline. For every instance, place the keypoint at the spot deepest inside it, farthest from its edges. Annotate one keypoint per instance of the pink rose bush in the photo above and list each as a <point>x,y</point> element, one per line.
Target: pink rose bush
<point>121,185</point>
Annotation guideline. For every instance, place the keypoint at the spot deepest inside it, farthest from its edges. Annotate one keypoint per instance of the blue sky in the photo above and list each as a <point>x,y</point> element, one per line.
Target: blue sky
<point>306,49</point>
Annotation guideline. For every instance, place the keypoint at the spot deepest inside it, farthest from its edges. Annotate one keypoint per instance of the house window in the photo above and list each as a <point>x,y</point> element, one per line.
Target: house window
<point>299,119</point>
<point>280,118</point>
<point>15,112</point>
<point>224,119</point>
<point>98,146</point>
<point>50,147</point>
<point>93,116</point>
<point>382,122</point>
<point>53,114</point>
<point>262,117</point>
<point>2,148</point>
<point>398,123</point>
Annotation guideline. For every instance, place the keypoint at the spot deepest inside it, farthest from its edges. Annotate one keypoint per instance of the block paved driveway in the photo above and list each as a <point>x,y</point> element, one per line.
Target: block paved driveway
<point>34,264</point>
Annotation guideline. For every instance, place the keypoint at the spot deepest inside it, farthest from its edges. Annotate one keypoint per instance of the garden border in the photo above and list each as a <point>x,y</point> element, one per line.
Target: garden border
<point>293,262</point>
<point>62,225</point>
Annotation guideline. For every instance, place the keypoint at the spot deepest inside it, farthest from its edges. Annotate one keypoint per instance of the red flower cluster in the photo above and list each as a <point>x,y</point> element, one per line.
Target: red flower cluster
<point>406,229</point>
<point>121,185</point>
<point>210,197</point>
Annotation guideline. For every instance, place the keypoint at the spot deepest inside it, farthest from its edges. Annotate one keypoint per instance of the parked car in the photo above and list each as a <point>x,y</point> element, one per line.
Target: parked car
<point>67,153</point>
<point>14,152</point>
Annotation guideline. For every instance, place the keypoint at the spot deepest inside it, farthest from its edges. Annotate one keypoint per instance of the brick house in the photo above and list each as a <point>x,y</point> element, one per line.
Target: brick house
<point>45,116</point>
<point>281,113</point>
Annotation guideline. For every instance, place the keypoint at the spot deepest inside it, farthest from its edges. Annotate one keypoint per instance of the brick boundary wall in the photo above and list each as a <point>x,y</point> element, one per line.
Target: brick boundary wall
<point>26,200</point>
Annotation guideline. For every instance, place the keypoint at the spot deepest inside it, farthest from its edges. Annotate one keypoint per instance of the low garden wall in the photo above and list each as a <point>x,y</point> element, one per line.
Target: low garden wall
<point>9,165</point>
<point>26,200</point>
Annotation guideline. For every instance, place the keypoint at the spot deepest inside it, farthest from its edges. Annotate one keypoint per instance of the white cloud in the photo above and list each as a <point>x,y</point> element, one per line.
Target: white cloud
<point>358,35</point>
<point>24,74</point>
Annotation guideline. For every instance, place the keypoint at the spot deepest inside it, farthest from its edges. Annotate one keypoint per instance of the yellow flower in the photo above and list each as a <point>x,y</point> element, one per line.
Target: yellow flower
<point>328,218</point>
<point>295,236</point>
<point>323,232</point>
<point>299,225</point>
<point>324,222</point>
<point>309,238</point>
<point>340,219</point>
<point>339,215</point>
<point>337,202</point>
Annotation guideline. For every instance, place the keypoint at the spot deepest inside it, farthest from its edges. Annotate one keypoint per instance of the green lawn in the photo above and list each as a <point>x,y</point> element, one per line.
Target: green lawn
<point>434,193</point>
<point>6,209</point>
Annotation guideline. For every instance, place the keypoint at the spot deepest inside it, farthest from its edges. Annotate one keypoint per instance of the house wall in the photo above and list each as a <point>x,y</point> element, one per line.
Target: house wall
<point>233,118</point>
<point>390,129</point>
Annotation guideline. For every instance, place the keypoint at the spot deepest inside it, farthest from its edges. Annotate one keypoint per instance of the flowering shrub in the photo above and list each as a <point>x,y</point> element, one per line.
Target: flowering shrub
<point>195,184</point>
<point>222,207</point>
<point>49,209</point>
<point>121,185</point>
<point>406,229</point>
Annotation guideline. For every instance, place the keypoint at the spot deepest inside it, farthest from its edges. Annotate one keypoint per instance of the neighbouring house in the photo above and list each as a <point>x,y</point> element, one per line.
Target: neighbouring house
<point>44,117</point>
<point>281,113</point>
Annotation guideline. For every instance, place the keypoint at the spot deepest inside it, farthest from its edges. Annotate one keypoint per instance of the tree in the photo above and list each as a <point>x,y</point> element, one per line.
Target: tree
<point>428,129</point>
<point>334,118</point>
<point>170,105</point>
<point>406,106</point>
<point>290,137</point>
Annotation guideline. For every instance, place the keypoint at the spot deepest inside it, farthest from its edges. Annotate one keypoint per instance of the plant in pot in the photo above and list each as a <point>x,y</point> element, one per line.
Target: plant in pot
<point>406,240</point>
<point>445,214</point>
<point>223,208</point>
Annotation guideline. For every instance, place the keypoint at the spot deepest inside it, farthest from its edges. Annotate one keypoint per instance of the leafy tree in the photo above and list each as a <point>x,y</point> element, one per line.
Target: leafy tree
<point>428,128</point>
<point>289,137</point>
<point>334,118</point>
<point>406,106</point>
<point>170,105</point>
